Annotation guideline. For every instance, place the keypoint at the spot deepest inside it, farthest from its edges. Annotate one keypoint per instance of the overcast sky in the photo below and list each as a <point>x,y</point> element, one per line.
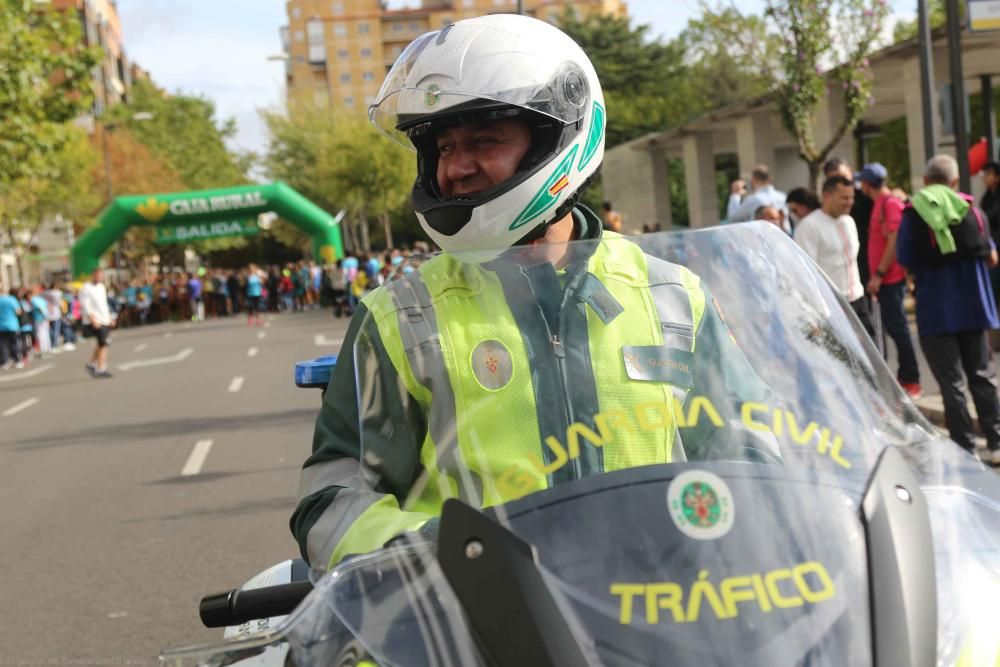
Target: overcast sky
<point>219,49</point>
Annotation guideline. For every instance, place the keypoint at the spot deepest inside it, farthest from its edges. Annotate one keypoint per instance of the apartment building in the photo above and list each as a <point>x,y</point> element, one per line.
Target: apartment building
<point>338,51</point>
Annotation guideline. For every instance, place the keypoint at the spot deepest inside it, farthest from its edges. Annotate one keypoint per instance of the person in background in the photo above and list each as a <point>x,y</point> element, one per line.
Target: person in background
<point>235,291</point>
<point>53,314</point>
<point>773,215</point>
<point>71,317</point>
<point>10,330</point>
<point>254,292</point>
<point>611,218</point>
<point>763,194</point>
<point>861,210</point>
<point>990,203</point>
<point>801,202</point>
<point>27,318</point>
<point>197,306</point>
<point>829,236</point>
<point>943,241</point>
<point>96,322</point>
<point>273,281</point>
<point>737,191</point>
<point>887,282</point>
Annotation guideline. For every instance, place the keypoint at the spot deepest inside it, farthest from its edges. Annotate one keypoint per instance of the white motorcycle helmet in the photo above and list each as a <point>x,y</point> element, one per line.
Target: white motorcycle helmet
<point>496,67</point>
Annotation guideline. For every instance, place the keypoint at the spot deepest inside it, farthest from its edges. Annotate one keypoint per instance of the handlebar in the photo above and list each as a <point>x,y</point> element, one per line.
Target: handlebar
<point>238,606</point>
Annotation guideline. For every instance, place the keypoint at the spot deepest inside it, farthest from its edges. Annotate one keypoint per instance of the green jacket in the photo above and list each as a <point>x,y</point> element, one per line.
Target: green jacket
<point>346,508</point>
<point>941,208</point>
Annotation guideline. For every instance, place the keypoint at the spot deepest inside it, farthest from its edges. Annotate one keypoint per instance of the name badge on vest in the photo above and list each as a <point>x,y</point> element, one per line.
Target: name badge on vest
<point>659,363</point>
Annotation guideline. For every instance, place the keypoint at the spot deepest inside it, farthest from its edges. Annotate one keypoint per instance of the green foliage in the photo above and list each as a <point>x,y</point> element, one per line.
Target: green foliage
<point>905,30</point>
<point>61,184</point>
<point>44,82</point>
<point>814,35</point>
<point>342,162</point>
<point>650,85</point>
<point>718,73</point>
<point>181,132</point>
<point>891,149</point>
<point>184,132</point>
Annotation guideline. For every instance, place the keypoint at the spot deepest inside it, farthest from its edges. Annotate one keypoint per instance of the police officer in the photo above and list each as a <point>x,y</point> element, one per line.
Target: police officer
<point>471,363</point>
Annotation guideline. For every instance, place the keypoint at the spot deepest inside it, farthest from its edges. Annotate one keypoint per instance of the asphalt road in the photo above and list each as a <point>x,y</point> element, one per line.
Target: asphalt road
<point>106,546</point>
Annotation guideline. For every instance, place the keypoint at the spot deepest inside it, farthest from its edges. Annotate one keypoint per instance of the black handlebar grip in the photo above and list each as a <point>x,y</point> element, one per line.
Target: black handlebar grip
<point>238,606</point>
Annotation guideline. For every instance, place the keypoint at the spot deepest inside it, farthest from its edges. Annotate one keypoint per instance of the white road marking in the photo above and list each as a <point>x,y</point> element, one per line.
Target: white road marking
<point>197,458</point>
<point>236,384</point>
<point>168,334</point>
<point>180,356</point>
<point>267,325</point>
<point>27,374</point>
<point>140,348</point>
<point>20,406</point>
<point>322,340</point>
<point>262,335</point>
<point>252,352</point>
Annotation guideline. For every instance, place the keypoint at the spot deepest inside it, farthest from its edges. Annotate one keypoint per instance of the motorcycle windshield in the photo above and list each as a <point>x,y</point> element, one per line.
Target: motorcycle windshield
<point>681,424</point>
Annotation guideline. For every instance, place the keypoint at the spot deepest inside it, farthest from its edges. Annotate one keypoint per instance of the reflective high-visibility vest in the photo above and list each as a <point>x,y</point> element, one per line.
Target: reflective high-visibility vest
<point>467,353</point>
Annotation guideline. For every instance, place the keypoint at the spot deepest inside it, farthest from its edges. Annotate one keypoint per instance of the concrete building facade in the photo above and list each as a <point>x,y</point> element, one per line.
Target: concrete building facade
<point>338,51</point>
<point>635,174</point>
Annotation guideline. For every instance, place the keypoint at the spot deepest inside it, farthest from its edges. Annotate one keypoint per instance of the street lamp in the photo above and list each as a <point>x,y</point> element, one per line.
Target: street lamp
<point>105,128</point>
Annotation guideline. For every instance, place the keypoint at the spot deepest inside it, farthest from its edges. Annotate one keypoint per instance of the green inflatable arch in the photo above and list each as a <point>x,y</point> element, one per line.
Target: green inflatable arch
<point>228,208</point>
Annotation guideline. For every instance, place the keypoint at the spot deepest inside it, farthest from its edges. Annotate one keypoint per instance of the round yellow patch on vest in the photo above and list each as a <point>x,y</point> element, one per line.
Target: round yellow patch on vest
<point>492,365</point>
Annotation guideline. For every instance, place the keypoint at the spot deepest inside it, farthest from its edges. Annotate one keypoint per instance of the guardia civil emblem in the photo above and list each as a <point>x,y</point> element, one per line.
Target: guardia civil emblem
<point>701,505</point>
<point>492,365</point>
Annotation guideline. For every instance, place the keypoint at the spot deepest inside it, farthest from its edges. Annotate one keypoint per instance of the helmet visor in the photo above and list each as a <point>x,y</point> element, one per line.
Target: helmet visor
<point>435,78</point>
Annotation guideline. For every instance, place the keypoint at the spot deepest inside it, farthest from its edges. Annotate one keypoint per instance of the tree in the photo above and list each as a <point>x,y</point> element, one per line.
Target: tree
<point>905,30</point>
<point>822,44</point>
<point>650,85</point>
<point>342,162</point>
<point>44,82</point>
<point>134,169</point>
<point>644,80</point>
<point>60,184</point>
<point>182,133</point>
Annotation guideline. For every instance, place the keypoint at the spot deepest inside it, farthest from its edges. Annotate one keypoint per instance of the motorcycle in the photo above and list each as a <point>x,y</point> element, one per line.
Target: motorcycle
<point>753,489</point>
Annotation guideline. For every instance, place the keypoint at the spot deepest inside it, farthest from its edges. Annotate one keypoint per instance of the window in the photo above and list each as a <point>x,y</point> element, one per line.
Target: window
<point>314,29</point>
<point>299,35</point>
<point>345,77</point>
<point>296,12</point>
<point>317,53</point>
<point>368,76</point>
<point>362,28</point>
<point>342,54</point>
<point>397,27</point>
<point>366,53</point>
<point>340,29</point>
<point>338,8</point>
<point>414,25</point>
<point>348,101</point>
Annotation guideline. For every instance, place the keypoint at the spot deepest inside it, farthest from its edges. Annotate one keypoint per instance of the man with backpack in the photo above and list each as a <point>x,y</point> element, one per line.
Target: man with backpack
<point>945,242</point>
<point>887,281</point>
